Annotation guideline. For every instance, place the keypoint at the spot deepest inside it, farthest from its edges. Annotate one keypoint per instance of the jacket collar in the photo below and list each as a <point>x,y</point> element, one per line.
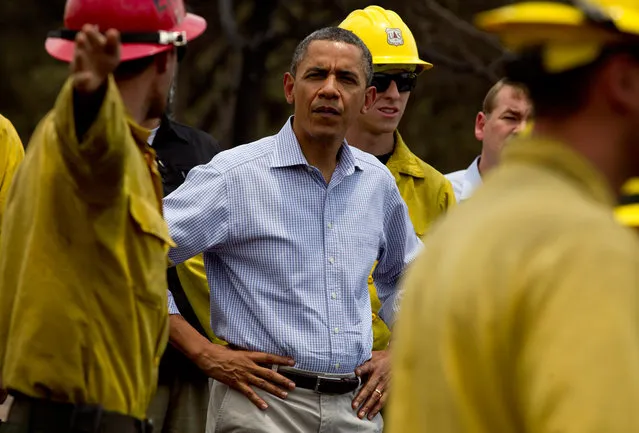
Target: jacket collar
<point>564,161</point>
<point>404,161</point>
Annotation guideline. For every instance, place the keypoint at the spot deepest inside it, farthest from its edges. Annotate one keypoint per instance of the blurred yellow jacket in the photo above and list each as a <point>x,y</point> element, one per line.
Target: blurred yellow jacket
<point>428,194</point>
<point>11,154</point>
<point>83,258</point>
<point>192,276</point>
<point>522,312</point>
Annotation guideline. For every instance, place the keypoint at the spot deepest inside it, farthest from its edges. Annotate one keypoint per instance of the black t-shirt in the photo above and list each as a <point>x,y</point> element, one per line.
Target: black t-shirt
<point>179,148</point>
<point>384,158</point>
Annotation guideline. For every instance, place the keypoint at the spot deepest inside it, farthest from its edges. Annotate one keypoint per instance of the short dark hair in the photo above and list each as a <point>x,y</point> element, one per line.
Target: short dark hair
<point>334,34</point>
<point>490,101</point>
<point>560,94</point>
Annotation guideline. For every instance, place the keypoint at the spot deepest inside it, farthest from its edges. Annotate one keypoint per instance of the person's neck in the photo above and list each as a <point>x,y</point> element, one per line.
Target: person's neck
<point>319,153</point>
<point>486,162</point>
<point>595,137</point>
<point>134,96</point>
<point>151,123</point>
<point>370,142</point>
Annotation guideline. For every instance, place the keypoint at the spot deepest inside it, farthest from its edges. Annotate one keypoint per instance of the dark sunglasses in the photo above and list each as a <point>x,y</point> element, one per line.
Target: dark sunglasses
<point>405,81</point>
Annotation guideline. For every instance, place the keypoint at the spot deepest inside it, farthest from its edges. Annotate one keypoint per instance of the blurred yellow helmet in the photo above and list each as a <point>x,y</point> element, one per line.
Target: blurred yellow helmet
<point>628,212</point>
<point>388,38</point>
<point>570,33</point>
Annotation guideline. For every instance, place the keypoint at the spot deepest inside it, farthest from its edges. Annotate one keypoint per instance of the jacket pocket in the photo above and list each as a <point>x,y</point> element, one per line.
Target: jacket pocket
<point>147,250</point>
<point>149,219</point>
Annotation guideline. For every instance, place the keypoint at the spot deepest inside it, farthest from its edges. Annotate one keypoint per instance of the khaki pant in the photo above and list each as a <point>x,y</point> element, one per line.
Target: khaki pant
<point>180,406</point>
<point>303,411</point>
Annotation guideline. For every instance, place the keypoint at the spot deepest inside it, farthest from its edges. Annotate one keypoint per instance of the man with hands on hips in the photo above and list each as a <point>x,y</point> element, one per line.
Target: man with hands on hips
<point>290,227</point>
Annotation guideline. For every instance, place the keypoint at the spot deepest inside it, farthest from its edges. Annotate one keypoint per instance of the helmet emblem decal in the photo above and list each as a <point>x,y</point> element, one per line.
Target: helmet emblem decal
<point>394,37</point>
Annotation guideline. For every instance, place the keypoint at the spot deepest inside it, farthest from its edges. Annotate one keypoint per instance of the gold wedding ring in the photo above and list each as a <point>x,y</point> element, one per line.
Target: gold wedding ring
<point>379,392</point>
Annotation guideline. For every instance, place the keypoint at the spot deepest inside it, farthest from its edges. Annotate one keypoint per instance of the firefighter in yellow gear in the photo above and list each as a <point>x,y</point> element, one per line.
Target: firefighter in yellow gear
<point>11,154</point>
<point>522,312</point>
<point>83,253</point>
<point>396,65</point>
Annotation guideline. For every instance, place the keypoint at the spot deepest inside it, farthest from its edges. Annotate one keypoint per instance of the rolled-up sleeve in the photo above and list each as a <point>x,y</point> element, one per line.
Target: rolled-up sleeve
<point>400,247</point>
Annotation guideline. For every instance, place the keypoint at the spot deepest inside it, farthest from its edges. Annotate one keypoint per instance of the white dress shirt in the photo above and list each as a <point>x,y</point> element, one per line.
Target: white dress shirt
<point>465,182</point>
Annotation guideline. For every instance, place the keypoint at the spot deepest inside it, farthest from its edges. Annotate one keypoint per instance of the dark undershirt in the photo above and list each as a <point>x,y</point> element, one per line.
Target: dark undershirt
<point>384,158</point>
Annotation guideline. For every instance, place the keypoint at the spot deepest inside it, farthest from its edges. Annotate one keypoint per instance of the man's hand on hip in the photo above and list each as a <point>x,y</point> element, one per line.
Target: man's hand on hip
<point>373,394</point>
<point>240,369</point>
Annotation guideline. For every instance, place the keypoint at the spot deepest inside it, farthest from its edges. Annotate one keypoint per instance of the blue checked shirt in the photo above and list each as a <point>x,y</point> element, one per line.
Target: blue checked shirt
<point>287,255</point>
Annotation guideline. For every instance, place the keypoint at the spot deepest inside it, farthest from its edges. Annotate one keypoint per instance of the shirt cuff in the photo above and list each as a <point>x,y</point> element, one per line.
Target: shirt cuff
<point>173,309</point>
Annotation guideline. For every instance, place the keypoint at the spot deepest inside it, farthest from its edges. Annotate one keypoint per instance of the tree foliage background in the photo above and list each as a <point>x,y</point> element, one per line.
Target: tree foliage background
<point>230,83</point>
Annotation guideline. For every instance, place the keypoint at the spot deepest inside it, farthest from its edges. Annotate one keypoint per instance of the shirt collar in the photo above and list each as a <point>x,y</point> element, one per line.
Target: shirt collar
<point>140,134</point>
<point>404,161</point>
<point>564,161</point>
<point>472,173</point>
<point>288,152</point>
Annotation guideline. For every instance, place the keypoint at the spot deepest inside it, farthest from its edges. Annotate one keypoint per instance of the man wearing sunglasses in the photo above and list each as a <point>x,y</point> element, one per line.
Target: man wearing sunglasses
<point>426,191</point>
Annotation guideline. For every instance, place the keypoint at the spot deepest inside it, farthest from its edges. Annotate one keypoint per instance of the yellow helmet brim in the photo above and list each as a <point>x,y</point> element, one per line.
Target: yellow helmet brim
<point>420,65</point>
<point>568,37</point>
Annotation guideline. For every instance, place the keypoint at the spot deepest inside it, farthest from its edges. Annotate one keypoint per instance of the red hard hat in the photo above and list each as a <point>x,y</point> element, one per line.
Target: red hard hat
<point>147,27</point>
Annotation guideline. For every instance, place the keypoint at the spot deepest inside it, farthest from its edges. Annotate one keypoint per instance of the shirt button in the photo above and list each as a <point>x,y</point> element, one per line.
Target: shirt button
<point>331,260</point>
<point>337,366</point>
<point>330,225</point>
<point>333,295</point>
<point>336,330</point>
<point>309,169</point>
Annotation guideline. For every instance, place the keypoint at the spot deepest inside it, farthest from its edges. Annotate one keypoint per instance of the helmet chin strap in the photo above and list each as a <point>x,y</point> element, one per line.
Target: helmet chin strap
<point>161,37</point>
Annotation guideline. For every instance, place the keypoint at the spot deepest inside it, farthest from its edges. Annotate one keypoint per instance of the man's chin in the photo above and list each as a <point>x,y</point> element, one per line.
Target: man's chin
<point>327,135</point>
<point>381,125</point>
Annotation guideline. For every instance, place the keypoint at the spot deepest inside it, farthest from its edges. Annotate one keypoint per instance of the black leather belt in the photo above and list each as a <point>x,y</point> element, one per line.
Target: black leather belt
<point>41,415</point>
<point>322,384</point>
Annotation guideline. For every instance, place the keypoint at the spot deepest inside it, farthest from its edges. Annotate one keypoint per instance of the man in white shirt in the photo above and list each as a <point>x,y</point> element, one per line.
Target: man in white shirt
<point>505,111</point>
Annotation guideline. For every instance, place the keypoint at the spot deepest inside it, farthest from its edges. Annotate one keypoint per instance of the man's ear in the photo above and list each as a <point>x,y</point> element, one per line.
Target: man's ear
<point>289,85</point>
<point>480,123</point>
<point>620,78</point>
<point>369,99</point>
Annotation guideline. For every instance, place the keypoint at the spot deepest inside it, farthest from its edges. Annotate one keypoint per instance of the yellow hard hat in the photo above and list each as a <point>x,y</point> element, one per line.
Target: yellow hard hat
<point>628,213</point>
<point>570,35</point>
<point>389,40</point>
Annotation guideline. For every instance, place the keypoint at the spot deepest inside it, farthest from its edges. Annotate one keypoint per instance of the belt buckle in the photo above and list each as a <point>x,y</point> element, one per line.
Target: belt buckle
<point>318,382</point>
